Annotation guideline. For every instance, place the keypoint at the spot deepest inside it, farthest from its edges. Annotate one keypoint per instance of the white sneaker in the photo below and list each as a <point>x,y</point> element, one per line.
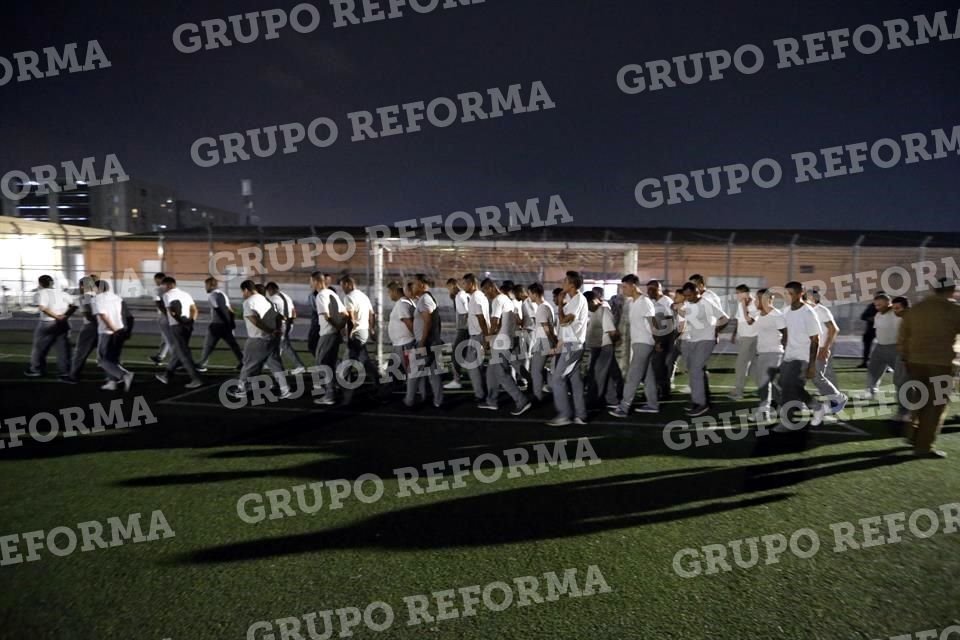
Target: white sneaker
<point>546,389</point>
<point>162,377</point>
<point>285,395</point>
<point>737,397</point>
<point>647,409</point>
<point>818,414</point>
<point>194,384</point>
<point>325,402</point>
<point>522,410</point>
<point>110,385</point>
<point>579,421</point>
<point>453,385</point>
<point>559,421</point>
<point>840,403</point>
<point>298,371</point>
<point>127,381</point>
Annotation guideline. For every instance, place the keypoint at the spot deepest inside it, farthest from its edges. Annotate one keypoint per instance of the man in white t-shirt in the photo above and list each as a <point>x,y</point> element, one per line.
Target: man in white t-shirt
<point>703,320</point>
<point>88,339</point>
<point>284,305</point>
<point>399,331</point>
<point>825,379</point>
<point>886,324</point>
<point>526,314</point>
<point>331,318</point>
<point>362,328</point>
<point>261,349</point>
<point>643,330</point>
<point>427,332</point>
<point>745,337</point>
<point>663,359</point>
<point>771,329</point>
<point>701,284</point>
<point>478,322</point>
<point>181,315</point>
<point>501,334</point>
<point>799,360</point>
<point>604,378</point>
<point>567,378</point>
<point>162,320</point>
<point>544,340</point>
<point>108,309</point>
<point>460,300</point>
<point>221,327</point>
<point>53,329</point>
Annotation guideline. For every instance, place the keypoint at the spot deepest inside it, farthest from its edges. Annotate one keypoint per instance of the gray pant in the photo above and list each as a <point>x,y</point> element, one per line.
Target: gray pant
<point>462,336</point>
<point>259,353</point>
<point>217,331</point>
<point>746,360</point>
<point>473,353</point>
<point>695,356</point>
<point>538,362</point>
<point>793,380</point>
<point>882,357</point>
<point>328,348</point>
<point>604,373</point>
<point>286,347</point>
<point>422,363</point>
<point>522,364</point>
<point>180,345</point>
<point>46,336</point>
<point>824,379</point>
<point>87,342</point>
<point>164,324</point>
<point>641,370</point>
<point>567,378</point>
<point>499,375</point>
<point>766,368</point>
<point>108,357</point>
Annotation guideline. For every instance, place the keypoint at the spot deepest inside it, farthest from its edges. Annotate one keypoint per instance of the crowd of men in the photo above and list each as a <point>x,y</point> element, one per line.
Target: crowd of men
<point>582,350</point>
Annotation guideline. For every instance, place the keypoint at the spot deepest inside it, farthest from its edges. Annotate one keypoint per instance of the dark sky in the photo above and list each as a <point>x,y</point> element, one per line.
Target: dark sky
<point>592,149</point>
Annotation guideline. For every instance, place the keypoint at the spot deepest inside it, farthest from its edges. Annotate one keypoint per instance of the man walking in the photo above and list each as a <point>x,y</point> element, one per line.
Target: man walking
<point>478,323</point>
<point>181,315</point>
<point>704,320</point>
<point>163,320</point>
<point>745,337</point>
<point>799,360</point>
<point>108,308</point>
<point>427,332</point>
<point>263,342</point>
<point>567,378</point>
<point>771,329</point>
<point>53,329</point>
<point>87,341</point>
<point>665,338</point>
<point>461,301</point>
<point>825,379</point>
<point>400,325</point>
<point>330,321</point>
<point>603,374</point>
<point>884,356</point>
<point>643,319</point>
<point>362,325</point>
<point>221,327</point>
<point>501,333</point>
<point>544,340</point>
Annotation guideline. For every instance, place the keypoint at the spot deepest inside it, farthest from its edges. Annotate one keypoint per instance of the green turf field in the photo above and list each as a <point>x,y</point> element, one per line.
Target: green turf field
<point>628,515</point>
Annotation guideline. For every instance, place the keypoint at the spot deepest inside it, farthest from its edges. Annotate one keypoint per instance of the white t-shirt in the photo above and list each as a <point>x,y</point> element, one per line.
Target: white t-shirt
<point>598,326</point>
<point>359,302</point>
<point>186,301</point>
<point>324,299</point>
<point>745,329</point>
<point>802,324</point>
<point>712,297</point>
<point>109,304</point>
<point>824,316</point>
<point>86,304</point>
<point>460,302</point>
<point>158,296</point>
<point>887,326</point>
<point>256,305</point>
<point>641,309</point>
<point>768,331</point>
<point>544,315</point>
<point>701,319</point>
<point>505,309</point>
<point>479,304</point>
<point>396,329</point>
<point>529,314</point>
<point>213,299</point>
<point>55,300</point>
<point>576,331</point>
<point>425,304</point>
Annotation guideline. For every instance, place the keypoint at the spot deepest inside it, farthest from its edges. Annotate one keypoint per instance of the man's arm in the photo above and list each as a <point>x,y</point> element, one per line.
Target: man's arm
<point>219,309</point>
<point>427,325</point>
<point>194,312</point>
<point>106,321</point>
<point>783,338</point>
<point>175,310</point>
<point>260,324</point>
<point>812,357</point>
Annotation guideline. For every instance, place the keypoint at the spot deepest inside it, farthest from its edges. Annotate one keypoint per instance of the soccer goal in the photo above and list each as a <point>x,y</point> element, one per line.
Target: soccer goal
<point>523,261</point>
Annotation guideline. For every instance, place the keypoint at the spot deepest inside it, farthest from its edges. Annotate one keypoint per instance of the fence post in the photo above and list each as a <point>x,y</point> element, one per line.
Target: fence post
<point>793,246</point>
<point>113,250</point>
<point>377,251</point>
<point>923,248</point>
<point>729,265</point>
<point>666,260</point>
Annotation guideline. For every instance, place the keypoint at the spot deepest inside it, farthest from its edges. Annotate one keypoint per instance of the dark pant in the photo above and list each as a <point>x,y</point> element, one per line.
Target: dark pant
<point>662,362</point>
<point>180,346</point>
<point>462,336</point>
<point>868,337</point>
<point>109,348</point>
<point>46,336</point>
<point>216,332</point>
<point>87,341</point>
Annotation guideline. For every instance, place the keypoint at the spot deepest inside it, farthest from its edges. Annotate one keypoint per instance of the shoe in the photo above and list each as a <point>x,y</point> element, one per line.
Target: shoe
<point>579,421</point>
<point>162,377</point>
<point>438,405</point>
<point>237,395</point>
<point>612,406</point>
<point>522,410</point>
<point>156,360</point>
<point>647,409</point>
<point>194,384</point>
<point>932,454</point>
<point>699,411</point>
<point>127,381</point>
<point>559,421</point>
<point>69,380</point>
<point>617,412</point>
<point>818,414</point>
<point>487,406</point>
<point>30,373</point>
<point>329,402</point>
<point>202,368</point>
<point>522,385</point>
<point>840,403</point>
<point>110,385</point>
<point>298,371</point>
<point>453,385</point>
<point>285,395</point>
<point>764,415</point>
<point>546,389</point>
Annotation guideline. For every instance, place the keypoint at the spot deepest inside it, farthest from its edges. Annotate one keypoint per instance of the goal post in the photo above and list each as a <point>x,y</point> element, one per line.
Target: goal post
<point>523,261</point>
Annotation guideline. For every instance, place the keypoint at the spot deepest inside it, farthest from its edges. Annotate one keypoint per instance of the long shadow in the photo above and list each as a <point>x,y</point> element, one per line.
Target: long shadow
<point>548,512</point>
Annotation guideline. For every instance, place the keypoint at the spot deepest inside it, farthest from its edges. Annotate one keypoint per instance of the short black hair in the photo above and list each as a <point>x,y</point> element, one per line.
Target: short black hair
<point>45,281</point>
<point>347,278</point>
<point>654,283</point>
<point>487,282</point>
<point>160,275</point>
<point>881,296</point>
<point>102,286</point>
<point>589,295</point>
<point>697,279</point>
<point>259,288</point>
<point>575,279</point>
<point>630,279</point>
<point>273,286</point>
<point>901,301</point>
<point>169,280</point>
<point>469,277</point>
<point>742,288</point>
<point>557,291</point>
<point>793,285</point>
<point>247,285</point>
<point>536,288</point>
<point>452,281</point>
<point>688,286</point>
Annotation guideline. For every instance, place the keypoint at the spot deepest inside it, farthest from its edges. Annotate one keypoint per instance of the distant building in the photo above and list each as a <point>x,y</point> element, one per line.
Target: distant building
<point>132,206</point>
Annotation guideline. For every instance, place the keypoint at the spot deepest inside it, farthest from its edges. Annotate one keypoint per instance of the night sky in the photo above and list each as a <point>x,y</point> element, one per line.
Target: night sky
<point>592,149</point>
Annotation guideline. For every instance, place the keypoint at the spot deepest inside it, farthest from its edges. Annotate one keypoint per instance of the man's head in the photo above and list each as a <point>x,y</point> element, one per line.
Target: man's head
<point>520,292</point>
<point>598,293</point>
<point>654,289</point>
<point>765,300</point>
<point>814,296</point>
<point>592,302</point>
<point>348,284</point>
<point>272,288</point>
<point>102,286</point>
<point>489,288</point>
<point>421,284</point>
<point>558,296</point>
<point>900,305</point>
<point>630,285</point>
<point>690,291</point>
<point>453,287</point>
<point>536,292</point>
<point>469,282</point>
<point>572,282</point>
<point>946,287</point>
<point>88,284</point>
<point>158,278</point>
<point>699,281</point>
<point>410,291</point>
<point>395,290</point>
<point>168,283</point>
<point>794,292</point>
<point>507,288</point>
<point>318,280</point>
<point>259,288</point>
<point>743,292</point>
<point>45,282</point>
<point>247,289</point>
<point>881,302</point>
<point>210,284</point>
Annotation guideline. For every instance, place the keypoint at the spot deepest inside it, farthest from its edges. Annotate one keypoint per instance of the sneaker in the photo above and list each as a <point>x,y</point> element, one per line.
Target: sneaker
<point>285,394</point>
<point>648,409</point>
<point>237,395</point>
<point>202,368</point>
<point>870,394</point>
<point>194,384</point>
<point>69,380</point>
<point>325,402</point>
<point>453,385</point>
<point>841,402</point>
<point>127,381</point>
<point>30,373</point>
<point>612,406</point>
<point>933,454</point>
<point>764,415</point>
<point>559,421</point>
<point>298,371</point>
<point>110,385</point>
<point>438,405</point>
<point>579,421</point>
<point>487,406</point>
<point>818,415</point>
<point>156,360</point>
<point>522,385</point>
<point>617,412</point>
<point>162,377</point>
<point>522,410</point>
<point>546,389</point>
<point>698,411</point>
